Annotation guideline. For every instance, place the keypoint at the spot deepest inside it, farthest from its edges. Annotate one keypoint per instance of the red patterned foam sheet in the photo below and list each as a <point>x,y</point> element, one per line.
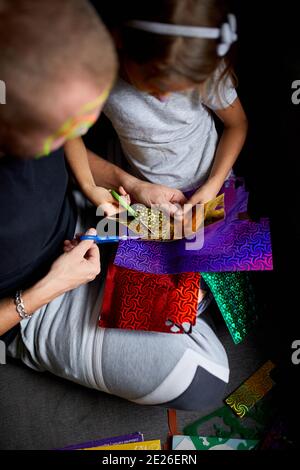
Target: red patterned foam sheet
<point>139,301</point>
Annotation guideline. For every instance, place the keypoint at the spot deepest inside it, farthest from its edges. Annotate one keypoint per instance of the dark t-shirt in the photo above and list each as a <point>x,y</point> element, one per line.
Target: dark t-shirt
<point>36,215</point>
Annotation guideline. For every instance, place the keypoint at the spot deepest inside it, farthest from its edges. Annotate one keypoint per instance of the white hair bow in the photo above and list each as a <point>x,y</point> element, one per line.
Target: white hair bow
<point>226,33</point>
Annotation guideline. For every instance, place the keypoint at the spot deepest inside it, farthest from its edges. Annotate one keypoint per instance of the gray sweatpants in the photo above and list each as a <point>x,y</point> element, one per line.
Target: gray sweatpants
<point>179,371</point>
<point>190,371</point>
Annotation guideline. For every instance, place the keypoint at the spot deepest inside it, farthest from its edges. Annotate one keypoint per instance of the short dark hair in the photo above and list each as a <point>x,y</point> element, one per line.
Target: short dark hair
<point>43,43</point>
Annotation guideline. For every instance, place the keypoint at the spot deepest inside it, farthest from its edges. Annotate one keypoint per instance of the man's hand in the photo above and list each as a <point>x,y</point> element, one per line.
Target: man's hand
<point>79,265</point>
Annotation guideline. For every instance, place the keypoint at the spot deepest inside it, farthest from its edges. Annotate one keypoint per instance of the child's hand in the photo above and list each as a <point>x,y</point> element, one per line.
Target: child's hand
<point>101,197</point>
<point>207,192</point>
<point>167,198</point>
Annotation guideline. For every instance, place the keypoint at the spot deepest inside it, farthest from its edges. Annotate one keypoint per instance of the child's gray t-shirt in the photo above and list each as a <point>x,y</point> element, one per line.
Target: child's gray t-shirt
<point>171,142</point>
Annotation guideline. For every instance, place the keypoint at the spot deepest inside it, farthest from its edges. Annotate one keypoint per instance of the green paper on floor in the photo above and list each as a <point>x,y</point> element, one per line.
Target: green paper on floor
<point>212,443</point>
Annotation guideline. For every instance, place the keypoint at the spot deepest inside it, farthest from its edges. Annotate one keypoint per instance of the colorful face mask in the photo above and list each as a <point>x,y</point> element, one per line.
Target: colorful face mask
<point>77,125</point>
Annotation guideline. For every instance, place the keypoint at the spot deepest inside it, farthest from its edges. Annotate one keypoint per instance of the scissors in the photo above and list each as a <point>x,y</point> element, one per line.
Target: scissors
<point>115,239</point>
<point>110,239</point>
<point>129,209</point>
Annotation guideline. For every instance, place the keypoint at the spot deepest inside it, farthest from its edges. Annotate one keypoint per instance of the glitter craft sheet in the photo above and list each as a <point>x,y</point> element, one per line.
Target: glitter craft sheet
<point>235,297</point>
<point>251,391</point>
<point>233,244</point>
<point>139,301</point>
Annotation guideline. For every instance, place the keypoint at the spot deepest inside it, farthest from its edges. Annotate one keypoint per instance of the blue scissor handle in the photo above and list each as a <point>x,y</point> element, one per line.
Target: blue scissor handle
<point>101,240</point>
<point>114,239</point>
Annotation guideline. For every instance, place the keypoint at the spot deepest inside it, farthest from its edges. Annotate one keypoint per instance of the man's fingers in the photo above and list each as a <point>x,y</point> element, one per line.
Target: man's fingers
<point>78,236</point>
<point>93,254</point>
<point>84,246</point>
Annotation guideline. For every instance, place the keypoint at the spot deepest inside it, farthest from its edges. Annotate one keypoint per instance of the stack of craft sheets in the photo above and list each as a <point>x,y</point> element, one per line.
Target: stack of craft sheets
<point>133,441</point>
<point>146,445</point>
<point>235,243</point>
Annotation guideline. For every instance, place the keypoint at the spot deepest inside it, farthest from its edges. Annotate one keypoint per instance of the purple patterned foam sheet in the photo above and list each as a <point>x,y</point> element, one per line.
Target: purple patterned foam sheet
<point>229,245</point>
<point>128,438</point>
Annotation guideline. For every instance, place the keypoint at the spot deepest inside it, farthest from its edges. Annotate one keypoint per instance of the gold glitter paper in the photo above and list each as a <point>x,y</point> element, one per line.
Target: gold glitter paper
<point>251,391</point>
<point>163,227</point>
<point>159,224</point>
<point>214,210</point>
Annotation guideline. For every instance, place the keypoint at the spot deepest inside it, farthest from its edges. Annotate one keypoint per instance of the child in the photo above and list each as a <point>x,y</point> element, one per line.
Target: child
<point>175,72</point>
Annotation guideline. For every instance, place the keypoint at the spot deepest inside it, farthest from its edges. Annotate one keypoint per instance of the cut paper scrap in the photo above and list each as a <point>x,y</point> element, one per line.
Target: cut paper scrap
<point>146,445</point>
<point>232,244</point>
<point>138,301</point>
<point>127,439</point>
<point>224,423</point>
<point>212,443</point>
<point>251,391</point>
<point>235,296</point>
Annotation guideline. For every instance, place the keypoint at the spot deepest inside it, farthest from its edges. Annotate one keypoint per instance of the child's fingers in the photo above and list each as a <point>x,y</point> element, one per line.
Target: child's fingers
<point>110,209</point>
<point>179,198</point>
<point>169,208</point>
<point>124,194</point>
<point>122,191</point>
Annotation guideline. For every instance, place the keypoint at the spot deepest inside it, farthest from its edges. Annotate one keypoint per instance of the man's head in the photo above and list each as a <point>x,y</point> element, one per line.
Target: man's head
<point>58,63</point>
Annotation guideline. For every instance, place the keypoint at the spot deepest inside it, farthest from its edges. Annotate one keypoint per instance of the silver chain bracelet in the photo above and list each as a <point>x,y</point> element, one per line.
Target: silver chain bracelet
<point>20,307</point>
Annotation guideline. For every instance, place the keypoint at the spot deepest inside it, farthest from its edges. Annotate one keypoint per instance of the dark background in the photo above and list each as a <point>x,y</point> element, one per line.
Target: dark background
<point>268,63</point>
